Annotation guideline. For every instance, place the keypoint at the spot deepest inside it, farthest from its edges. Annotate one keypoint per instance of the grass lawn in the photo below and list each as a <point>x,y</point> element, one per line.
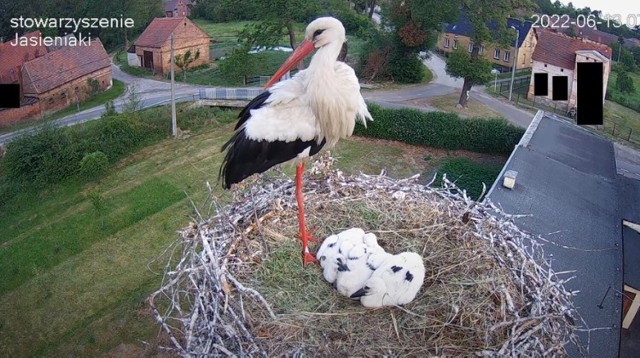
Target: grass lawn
<point>634,97</point>
<point>474,108</point>
<point>79,259</point>
<point>622,122</point>
<point>447,103</point>
<point>101,98</point>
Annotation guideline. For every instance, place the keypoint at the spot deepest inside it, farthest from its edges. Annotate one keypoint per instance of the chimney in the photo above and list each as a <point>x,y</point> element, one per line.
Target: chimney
<point>509,180</point>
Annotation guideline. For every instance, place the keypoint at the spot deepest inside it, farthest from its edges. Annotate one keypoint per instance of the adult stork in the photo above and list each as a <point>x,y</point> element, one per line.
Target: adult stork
<point>298,117</point>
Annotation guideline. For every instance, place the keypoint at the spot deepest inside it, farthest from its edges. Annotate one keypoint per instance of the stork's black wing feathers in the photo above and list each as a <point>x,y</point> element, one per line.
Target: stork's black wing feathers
<point>247,156</point>
<point>256,102</point>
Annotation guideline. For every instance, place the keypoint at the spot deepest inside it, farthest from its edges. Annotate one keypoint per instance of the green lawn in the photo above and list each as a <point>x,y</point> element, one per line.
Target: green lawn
<point>101,98</point>
<point>632,99</point>
<point>622,122</point>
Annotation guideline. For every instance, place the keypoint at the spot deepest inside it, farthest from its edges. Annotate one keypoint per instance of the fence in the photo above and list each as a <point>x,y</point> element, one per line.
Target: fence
<point>611,127</point>
<point>520,86</point>
<point>260,81</point>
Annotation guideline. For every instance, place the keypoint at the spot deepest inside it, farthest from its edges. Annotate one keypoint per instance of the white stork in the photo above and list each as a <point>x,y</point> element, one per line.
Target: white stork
<point>298,117</point>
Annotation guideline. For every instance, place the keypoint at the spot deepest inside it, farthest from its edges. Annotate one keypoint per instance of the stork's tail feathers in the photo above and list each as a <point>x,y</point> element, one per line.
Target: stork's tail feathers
<point>363,113</point>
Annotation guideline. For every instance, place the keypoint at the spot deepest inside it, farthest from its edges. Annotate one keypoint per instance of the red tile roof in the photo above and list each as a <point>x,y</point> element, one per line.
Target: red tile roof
<point>158,31</point>
<point>66,64</point>
<point>596,35</point>
<point>560,50</point>
<point>13,57</point>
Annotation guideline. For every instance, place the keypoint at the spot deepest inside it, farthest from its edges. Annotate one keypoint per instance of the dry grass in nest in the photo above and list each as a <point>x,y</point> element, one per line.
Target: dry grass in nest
<point>235,284</point>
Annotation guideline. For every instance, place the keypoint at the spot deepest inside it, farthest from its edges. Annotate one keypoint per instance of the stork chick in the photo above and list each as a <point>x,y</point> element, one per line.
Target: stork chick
<point>396,282</point>
<point>351,279</point>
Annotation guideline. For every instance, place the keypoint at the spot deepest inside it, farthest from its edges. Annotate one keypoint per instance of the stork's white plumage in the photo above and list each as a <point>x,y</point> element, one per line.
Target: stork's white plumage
<point>396,282</point>
<point>298,117</point>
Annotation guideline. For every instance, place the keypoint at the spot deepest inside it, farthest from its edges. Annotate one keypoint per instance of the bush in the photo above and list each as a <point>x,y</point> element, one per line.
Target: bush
<point>442,130</point>
<point>624,83</point>
<point>406,68</point>
<point>48,156</point>
<point>53,155</point>
<point>94,165</point>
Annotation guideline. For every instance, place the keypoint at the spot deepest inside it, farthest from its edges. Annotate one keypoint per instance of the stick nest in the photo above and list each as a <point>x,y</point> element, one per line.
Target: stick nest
<point>234,283</point>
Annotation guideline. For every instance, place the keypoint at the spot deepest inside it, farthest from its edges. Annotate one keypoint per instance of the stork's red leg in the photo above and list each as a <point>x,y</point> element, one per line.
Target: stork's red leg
<point>304,236</point>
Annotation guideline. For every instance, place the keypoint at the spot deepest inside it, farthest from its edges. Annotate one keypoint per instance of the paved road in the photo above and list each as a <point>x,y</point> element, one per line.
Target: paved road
<point>154,92</point>
<point>151,93</point>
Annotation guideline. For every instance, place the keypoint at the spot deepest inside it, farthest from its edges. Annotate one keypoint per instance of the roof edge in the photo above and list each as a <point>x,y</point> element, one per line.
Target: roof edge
<point>594,52</point>
<point>528,134</point>
<point>524,141</point>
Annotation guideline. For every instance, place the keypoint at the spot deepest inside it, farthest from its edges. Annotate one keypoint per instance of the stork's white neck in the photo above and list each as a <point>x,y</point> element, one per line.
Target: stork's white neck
<point>325,58</point>
<point>326,102</point>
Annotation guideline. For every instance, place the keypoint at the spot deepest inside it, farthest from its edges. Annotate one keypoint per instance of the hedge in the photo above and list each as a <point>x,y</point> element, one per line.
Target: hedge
<point>441,130</point>
<point>55,154</point>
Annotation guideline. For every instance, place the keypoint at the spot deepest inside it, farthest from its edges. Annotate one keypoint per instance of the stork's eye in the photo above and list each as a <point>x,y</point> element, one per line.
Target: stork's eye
<point>317,33</point>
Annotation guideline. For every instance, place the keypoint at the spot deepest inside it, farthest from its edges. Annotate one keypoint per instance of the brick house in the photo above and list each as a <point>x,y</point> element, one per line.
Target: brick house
<point>558,55</point>
<point>13,57</point>
<point>460,34</point>
<point>61,77</point>
<point>178,8</point>
<point>11,60</point>
<point>153,47</point>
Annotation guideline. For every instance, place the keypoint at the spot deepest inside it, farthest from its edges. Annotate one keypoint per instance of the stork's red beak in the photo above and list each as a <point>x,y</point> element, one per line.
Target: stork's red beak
<point>298,55</point>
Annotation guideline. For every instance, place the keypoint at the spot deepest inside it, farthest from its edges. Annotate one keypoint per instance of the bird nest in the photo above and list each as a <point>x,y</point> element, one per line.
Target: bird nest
<point>234,283</point>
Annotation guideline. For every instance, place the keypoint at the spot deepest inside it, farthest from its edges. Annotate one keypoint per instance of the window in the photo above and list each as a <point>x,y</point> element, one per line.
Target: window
<point>455,44</point>
<point>496,54</point>
<point>446,42</point>
<point>524,58</point>
<point>470,47</point>
<point>507,56</point>
<point>482,49</point>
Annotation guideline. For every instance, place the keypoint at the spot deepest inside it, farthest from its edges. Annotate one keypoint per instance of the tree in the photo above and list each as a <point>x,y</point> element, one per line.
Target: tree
<point>624,83</point>
<point>412,25</point>
<point>488,19</point>
<point>133,101</point>
<point>184,60</point>
<point>238,64</point>
<point>475,70</point>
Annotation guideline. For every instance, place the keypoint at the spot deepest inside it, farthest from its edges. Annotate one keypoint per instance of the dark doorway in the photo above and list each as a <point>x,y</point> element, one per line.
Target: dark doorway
<point>147,60</point>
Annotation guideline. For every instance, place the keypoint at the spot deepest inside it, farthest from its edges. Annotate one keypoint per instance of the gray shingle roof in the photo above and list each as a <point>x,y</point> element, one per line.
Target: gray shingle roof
<point>464,27</point>
<point>567,183</point>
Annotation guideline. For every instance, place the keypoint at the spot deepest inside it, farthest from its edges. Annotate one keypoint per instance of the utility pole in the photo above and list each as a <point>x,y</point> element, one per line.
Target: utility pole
<point>515,63</point>
<point>174,127</point>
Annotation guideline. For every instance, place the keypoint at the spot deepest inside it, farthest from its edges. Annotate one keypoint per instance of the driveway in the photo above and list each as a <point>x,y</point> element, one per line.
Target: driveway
<point>151,93</point>
<point>443,84</point>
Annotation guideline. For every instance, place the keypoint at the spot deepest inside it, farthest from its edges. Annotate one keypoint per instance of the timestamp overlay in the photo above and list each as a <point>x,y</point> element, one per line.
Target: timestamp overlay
<point>556,21</point>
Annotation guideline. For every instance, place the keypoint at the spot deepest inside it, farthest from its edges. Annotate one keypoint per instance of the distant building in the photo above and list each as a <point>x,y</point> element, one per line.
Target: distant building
<point>591,34</point>
<point>178,8</point>
<point>558,55</point>
<point>153,47</point>
<point>13,57</point>
<point>62,77</point>
<point>460,35</point>
<point>52,78</point>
